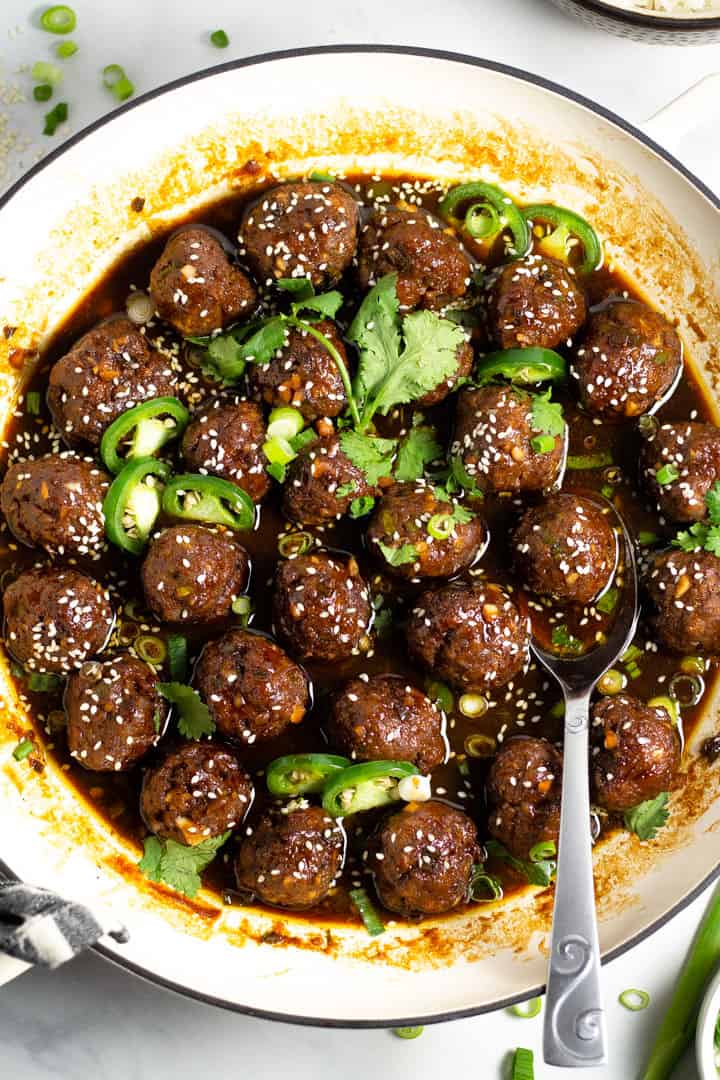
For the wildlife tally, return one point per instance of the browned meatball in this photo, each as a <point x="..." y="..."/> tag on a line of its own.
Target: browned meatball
<point x="382" y="718"/>
<point x="108" y="371"/>
<point x="55" y="619"/>
<point x="690" y="453"/>
<point x="472" y="636"/>
<point x="251" y="687"/>
<point x="400" y="533"/>
<point x="303" y="374"/>
<point x="637" y="752"/>
<point x="114" y="713"/>
<point x="432" y="267"/>
<point x="534" y="301"/>
<point x="321" y="483"/>
<point x="301" y="229"/>
<point x="321" y="606"/>
<point x="566" y="548"/>
<point x="226" y="440"/>
<point x="684" y="588"/>
<point x="194" y="285"/>
<point x="499" y="444"/>
<point x="291" y="857"/>
<point x="523" y="787"/>
<point x="465" y="364"/>
<point x="422" y="858"/>
<point x="192" y="574"/>
<point x="55" y="502"/>
<point x="629" y="360"/>
<point x="198" y="791"/>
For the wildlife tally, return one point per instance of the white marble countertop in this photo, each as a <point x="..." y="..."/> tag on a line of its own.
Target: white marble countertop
<point x="90" y="1019"/>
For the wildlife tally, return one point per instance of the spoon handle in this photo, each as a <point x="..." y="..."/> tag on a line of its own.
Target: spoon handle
<point x="574" y="1033"/>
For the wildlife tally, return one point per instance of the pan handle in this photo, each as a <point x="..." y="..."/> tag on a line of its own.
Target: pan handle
<point x="693" y="108"/>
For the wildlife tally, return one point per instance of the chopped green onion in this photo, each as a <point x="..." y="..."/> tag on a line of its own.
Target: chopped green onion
<point x="689" y="665"/>
<point x="44" y="72"/>
<point x="243" y="606"/>
<point x="612" y="682"/>
<point x="278" y="451"/>
<point x="607" y="491"/>
<point x="543" y="444"/>
<point x="23" y="749"/>
<point x="55" y="117"/>
<point x="441" y="694"/>
<point x="408" y="1032"/>
<point x="634" y="672"/>
<point x="634" y="1000"/>
<point x="64" y="49"/>
<point x="59" y="19"/>
<point x="669" y="704"/>
<point x="472" y="705"/>
<point x="116" y="81"/>
<point x="177" y="657"/>
<point x="294" y="543"/>
<point x="686" y="689"/>
<point x="440" y="526"/>
<point x="478" y="745"/>
<point x="523" y="1068"/>
<point x="220" y="39"/>
<point x="373" y="923"/>
<point x="544" y="849"/>
<point x="558" y="710"/>
<point x="150" y="648"/>
<point x="43" y="92"/>
<point x="608" y="601"/>
<point x="32" y="402"/>
<point x="668" y="474"/>
<point x="633" y="652"/>
<point x="590" y="461"/>
<point x="321" y="177"/>
<point x="484" y="887"/>
<point x="526" y="1010"/>
<point x="285" y="423"/>
<point x="645" y="538"/>
<point x="43" y="684"/>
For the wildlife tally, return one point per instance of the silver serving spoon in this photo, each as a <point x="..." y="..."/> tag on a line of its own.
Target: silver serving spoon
<point x="574" y="1034"/>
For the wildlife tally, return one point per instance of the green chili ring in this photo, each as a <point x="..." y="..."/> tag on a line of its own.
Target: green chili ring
<point x="365" y="786"/>
<point x="492" y="206"/>
<point x="214" y="501"/>
<point x="523" y="366"/>
<point x="567" y="223"/>
<point x="302" y="774"/>
<point x="149" y="433"/>
<point x="129" y="496"/>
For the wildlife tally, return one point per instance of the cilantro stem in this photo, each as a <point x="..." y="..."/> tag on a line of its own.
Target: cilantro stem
<point x="327" y="344"/>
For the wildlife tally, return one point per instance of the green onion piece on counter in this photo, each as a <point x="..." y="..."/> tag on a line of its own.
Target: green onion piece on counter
<point x="567" y="225"/>
<point x="116" y="81"/>
<point x="65" y="49"/>
<point x="491" y="211"/>
<point x="132" y="504"/>
<point x="177" y="648"/>
<point x="302" y="774"/>
<point x="195" y="497"/>
<point x="543" y="444"/>
<point x="526" y="1010"/>
<point x="373" y="923"/>
<point x="285" y="423"/>
<point x="608" y="601"/>
<point x="294" y="543"/>
<point x="142" y="431"/>
<point x="23" y="749"/>
<point x="151" y="648"/>
<point x="33" y="402"/>
<point x="408" y="1032"/>
<point x="59" y="19"/>
<point x="522" y="1067"/>
<point x="43" y="92"/>
<point x="55" y="118"/>
<point x="219" y="39"/>
<point x="590" y="461"/>
<point x="365" y="786"/>
<point x="634" y="1000"/>
<point x="441" y="694"/>
<point x="44" y="72"/>
<point x="523" y="366"/>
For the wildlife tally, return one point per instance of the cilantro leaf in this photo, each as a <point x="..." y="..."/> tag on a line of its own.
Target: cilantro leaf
<point x="463" y="479"/>
<point x="647" y="817"/>
<point x="698" y="537"/>
<point x="712" y="501"/>
<point x="418" y="449"/>
<point x="228" y="354"/>
<point x="547" y="415"/>
<point x="539" y="871"/>
<point x="362" y="506"/>
<point x="373" y="456"/>
<point x="179" y="865"/>
<point x="375" y="331"/>
<point x="564" y="641"/>
<point x="326" y="305"/>
<point x="194" y="719"/>
<point x="382" y="623"/>
<point x="150" y="862"/>
<point x="301" y="288"/>
<point x="712" y="540"/>
<point x="398" y="556"/>
<point x="461" y="515"/>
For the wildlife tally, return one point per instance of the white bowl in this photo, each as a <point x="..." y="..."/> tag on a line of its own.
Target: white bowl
<point x="705" y="1033"/>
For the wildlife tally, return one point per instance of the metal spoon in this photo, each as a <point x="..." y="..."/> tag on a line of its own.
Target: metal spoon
<point x="574" y="1034"/>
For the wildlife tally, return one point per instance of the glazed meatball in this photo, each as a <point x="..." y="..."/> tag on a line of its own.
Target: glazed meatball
<point x="192" y="574"/>
<point x="383" y="719"/>
<point x="471" y="636"/>
<point x="253" y="690"/>
<point x="303" y="374"/>
<point x="195" y="287"/>
<point x="566" y="548"/>
<point x="321" y="606"/>
<point x="108" y="371"/>
<point x="523" y="788"/>
<point x="684" y="588"/>
<point x="400" y="533"/>
<point x="226" y="440"/>
<point x="55" y="619"/>
<point x="534" y="301"/>
<point x="198" y="791"/>
<point x="291" y="857"/>
<point x="694" y="452"/>
<point x="301" y="229"/>
<point x="55" y="502"/>
<point x="321" y="483"/>
<point x="496" y="441"/>
<point x="636" y="753"/>
<point x="432" y="267"/>
<point x="114" y="713"/>
<point x="465" y="364"/>
<point x="422" y="858"/>
<point x="629" y="360"/>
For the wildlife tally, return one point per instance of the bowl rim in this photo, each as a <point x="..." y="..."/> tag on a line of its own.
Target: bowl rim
<point x="704" y="1036"/>
<point x="664" y="21"/>
<point x="432" y="54"/>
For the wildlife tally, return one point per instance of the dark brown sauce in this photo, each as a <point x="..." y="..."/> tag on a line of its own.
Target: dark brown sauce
<point x="525" y="705"/>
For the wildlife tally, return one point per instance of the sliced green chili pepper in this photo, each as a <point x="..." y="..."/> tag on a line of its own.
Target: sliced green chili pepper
<point x="192" y="497"/>
<point x="440" y="526"/>
<point x="567" y="224"/>
<point x="533" y="365"/>
<point x="145" y="429"/>
<point x="491" y="211"/>
<point x="365" y="786"/>
<point x="302" y="774"/>
<point x="132" y="504"/>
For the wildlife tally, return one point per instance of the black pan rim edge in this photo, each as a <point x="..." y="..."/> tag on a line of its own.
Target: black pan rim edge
<point x="433" y="54"/>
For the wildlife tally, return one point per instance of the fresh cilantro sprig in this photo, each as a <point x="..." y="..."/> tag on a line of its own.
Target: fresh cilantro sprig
<point x="398" y="556"/>
<point x="372" y="455"/>
<point x="704" y="535"/>
<point x="647" y="817"/>
<point x="377" y="458"/>
<point x="418" y="449"/>
<point x="194" y="719"/>
<point x="547" y="416"/>
<point x="539" y="869"/>
<point x="564" y="641"/>
<point x="179" y="865"/>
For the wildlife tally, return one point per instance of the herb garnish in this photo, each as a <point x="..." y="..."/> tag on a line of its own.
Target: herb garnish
<point x="373" y="456"/>
<point x="398" y="556"/>
<point x="647" y="817"/>
<point x="539" y="868"/>
<point x="564" y="641"/>
<point x="484" y="887"/>
<point x="179" y="865"/>
<point x="704" y="535"/>
<point x="547" y="415"/>
<point x="194" y="719"/>
<point x="418" y="449"/>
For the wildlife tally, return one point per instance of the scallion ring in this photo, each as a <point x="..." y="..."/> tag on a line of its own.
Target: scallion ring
<point x="634" y="1000"/>
<point x="116" y="81"/>
<point x="59" y="19"/>
<point x="285" y="423"/>
<point x="472" y="705"/>
<point x="440" y="526"/>
<point x="478" y="745"/>
<point x="295" y="543"/>
<point x="526" y="1010"/>
<point x="686" y="689"/>
<point x="44" y="72"/>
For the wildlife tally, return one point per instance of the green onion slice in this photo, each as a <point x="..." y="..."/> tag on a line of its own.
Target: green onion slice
<point x="523" y="1067"/>
<point x="116" y="81"/>
<point x="472" y="705"/>
<point x="65" y="49"/>
<point x="41" y="683"/>
<point x="408" y="1032"/>
<point x="441" y="694"/>
<point x="373" y="923"/>
<point x="23" y="749"/>
<point x="43" y="92"/>
<point x="292" y="544"/>
<point x="634" y="1000"/>
<point x="440" y="526"/>
<point x="523" y="366"/>
<point x="44" y="72"/>
<point x="33" y="402"/>
<point x="590" y="461"/>
<point x="59" y="19"/>
<point x="526" y="1010"/>
<point x="219" y="39"/>
<point x="55" y="118"/>
<point x="543" y="444"/>
<point x="150" y="648"/>
<point x="285" y="423"/>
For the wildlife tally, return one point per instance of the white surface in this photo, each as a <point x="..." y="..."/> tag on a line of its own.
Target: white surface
<point x="89" y="1019"/>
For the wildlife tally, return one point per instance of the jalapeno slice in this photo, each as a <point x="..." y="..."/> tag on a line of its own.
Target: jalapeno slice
<point x="567" y="225"/>
<point x="302" y="774"/>
<point x="365" y="786"/>
<point x="491" y="212"/>
<point x="132" y="504"/>
<point x="523" y="366"/>
<point x="193" y="497"/>
<point x="144" y="430"/>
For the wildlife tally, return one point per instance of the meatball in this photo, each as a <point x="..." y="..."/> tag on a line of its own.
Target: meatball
<point x="108" y="371"/>
<point x="465" y="364"/>
<point x="195" y="287"/>
<point x="629" y="360"/>
<point x="291" y="857"/>
<point x="55" y="502"/>
<point x="534" y="301"/>
<point x="422" y="858"/>
<point x="472" y="636"/>
<point x="226" y="440"/>
<point x="637" y="752"/>
<point x="694" y="452"/>
<point x="383" y="719"/>
<point x="251" y="687"/>
<point x="321" y="483"/>
<point x="303" y="374"/>
<point x="321" y="606"/>
<point x="401" y="533"/>
<point x="523" y="788"/>
<point x="684" y="588"/>
<point x="114" y="713"/>
<point x="192" y="574"/>
<point x="55" y="619"/>
<point x="432" y="267"/>
<point x="566" y="548"/>
<point x="301" y="229"/>
<point x="497" y="442"/>
<point x="198" y="791"/>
